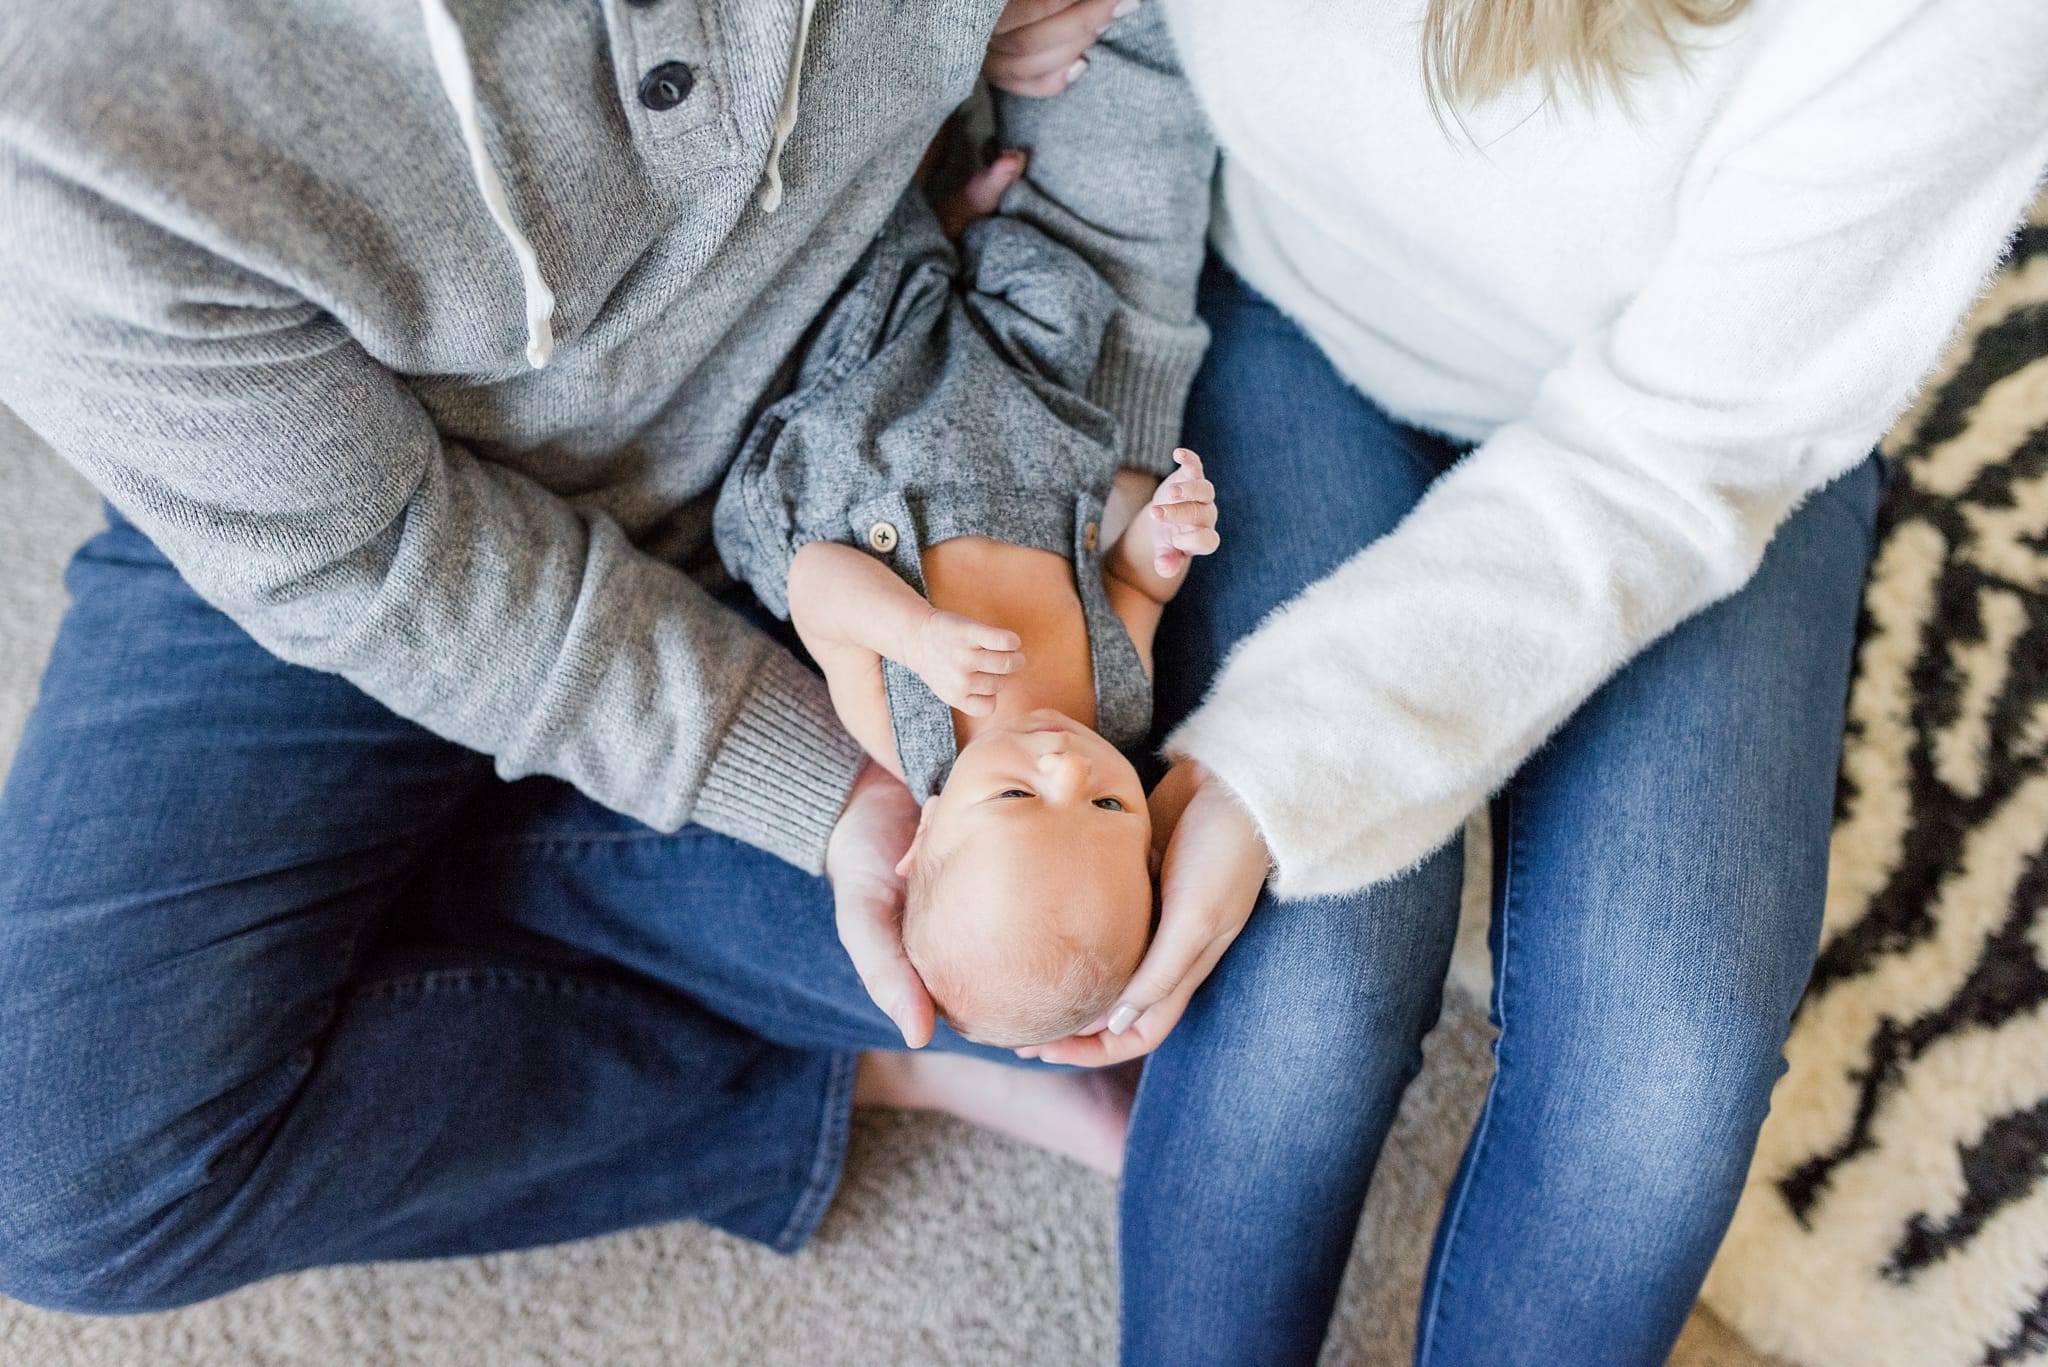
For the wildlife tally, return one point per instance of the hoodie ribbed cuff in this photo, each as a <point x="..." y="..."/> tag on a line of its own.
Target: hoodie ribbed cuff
<point x="1142" y="380"/>
<point x="783" y="768"/>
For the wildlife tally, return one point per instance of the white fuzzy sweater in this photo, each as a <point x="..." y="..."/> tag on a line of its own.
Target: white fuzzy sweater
<point x="1665" y="327"/>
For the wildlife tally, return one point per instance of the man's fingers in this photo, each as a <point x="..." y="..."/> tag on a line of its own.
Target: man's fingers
<point x="876" y="948"/>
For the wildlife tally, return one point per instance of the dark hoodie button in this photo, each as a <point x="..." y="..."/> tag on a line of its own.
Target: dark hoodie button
<point x="667" y="86"/>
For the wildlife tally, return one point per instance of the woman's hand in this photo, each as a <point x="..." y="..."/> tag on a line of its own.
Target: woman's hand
<point x="1038" y="45"/>
<point x="1215" y="863"/>
<point x="867" y="897"/>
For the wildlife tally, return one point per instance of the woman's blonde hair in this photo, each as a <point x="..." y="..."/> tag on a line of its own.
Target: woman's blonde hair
<point x="1473" y="49"/>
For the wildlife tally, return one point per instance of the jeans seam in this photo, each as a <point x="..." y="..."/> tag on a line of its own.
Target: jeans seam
<point x="1509" y="849"/>
<point x="585" y="838"/>
<point x="473" y="979"/>
<point x="827" y="1158"/>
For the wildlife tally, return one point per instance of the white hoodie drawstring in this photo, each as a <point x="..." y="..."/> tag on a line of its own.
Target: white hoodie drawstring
<point x="785" y="117"/>
<point x="451" y="64"/>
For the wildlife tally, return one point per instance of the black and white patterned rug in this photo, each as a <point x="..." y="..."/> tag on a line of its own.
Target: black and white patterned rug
<point x="1897" y="1212"/>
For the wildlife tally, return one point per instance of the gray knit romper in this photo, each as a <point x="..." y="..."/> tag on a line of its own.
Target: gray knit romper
<point x="940" y="397"/>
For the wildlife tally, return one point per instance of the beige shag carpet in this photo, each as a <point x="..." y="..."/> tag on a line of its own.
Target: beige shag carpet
<point x="1894" y="1216"/>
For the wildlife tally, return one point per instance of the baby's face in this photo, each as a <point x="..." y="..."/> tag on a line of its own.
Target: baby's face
<point x="1044" y="840"/>
<point x="1045" y="788"/>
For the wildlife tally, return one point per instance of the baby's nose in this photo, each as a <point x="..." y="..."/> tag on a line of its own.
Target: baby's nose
<point x="1062" y="774"/>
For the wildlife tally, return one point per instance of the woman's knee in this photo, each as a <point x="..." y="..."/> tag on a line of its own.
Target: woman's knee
<point x="1671" y="1095"/>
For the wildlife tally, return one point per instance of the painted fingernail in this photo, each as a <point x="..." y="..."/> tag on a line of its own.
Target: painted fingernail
<point x="1123" y="1018"/>
<point x="1077" y="70"/>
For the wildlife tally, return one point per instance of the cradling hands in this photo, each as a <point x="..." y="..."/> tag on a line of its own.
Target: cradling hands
<point x="863" y="861"/>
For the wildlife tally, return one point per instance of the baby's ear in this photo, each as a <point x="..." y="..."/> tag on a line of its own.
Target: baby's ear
<point x="909" y="859"/>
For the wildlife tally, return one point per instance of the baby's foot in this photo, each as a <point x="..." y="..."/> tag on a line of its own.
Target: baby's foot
<point x="1079" y="1115"/>
<point x="965" y="662"/>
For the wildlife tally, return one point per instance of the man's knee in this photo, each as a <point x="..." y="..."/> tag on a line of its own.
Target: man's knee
<point x="83" y="1240"/>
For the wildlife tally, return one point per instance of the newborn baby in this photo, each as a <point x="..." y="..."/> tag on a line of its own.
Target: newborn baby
<point x="1030" y="882"/>
<point x="980" y="584"/>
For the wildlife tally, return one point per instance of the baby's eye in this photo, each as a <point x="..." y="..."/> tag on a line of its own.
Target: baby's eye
<point x="1015" y="792"/>
<point x="1110" y="804"/>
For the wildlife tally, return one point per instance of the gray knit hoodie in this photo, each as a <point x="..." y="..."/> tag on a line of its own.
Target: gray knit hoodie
<point x="252" y="282"/>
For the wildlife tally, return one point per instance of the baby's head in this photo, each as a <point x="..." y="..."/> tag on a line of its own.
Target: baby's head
<point x="1030" y="897"/>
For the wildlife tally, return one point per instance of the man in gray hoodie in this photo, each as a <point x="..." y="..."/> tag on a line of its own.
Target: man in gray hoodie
<point x="409" y="346"/>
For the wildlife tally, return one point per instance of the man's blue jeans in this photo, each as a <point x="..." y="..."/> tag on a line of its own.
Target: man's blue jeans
<point x="286" y="980"/>
<point x="1660" y="867"/>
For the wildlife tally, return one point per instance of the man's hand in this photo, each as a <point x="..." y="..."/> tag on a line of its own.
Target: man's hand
<point x="867" y="897"/>
<point x="1039" y="44"/>
<point x="1215" y="864"/>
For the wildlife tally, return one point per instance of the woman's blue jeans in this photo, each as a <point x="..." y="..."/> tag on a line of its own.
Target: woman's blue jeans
<point x="287" y="981"/>
<point x="1660" y="867"/>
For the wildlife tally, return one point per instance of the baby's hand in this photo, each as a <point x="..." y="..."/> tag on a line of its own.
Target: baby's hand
<point x="1182" y="516"/>
<point x="965" y="661"/>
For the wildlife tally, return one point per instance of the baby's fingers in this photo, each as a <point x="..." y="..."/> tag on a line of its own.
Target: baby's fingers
<point x="974" y="704"/>
<point x="1196" y="540"/>
<point x="1190" y="490"/>
<point x="994" y="638"/>
<point x="1185" y="514"/>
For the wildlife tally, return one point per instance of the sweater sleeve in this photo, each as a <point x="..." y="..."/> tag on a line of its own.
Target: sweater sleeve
<point x="1120" y="171"/>
<point x="301" y="488"/>
<point x="1817" y="271"/>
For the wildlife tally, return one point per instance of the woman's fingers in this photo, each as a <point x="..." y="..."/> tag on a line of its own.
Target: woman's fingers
<point x="1039" y="44"/>
<point x="1024" y="13"/>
